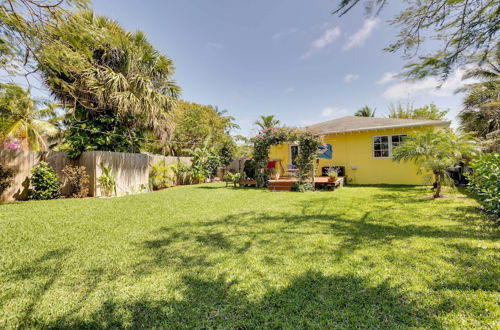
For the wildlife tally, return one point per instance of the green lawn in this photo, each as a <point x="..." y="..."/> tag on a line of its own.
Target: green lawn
<point x="210" y="256"/>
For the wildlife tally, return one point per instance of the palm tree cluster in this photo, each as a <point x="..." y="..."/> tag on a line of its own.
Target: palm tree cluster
<point x="92" y="64"/>
<point x="365" y="111"/>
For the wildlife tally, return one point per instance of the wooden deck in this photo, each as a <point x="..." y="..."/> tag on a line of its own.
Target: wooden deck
<point x="286" y="183"/>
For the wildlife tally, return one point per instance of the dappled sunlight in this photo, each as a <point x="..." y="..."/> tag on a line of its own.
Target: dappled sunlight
<point x="197" y="257"/>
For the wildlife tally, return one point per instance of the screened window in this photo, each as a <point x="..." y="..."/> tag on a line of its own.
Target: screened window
<point x="384" y="144"/>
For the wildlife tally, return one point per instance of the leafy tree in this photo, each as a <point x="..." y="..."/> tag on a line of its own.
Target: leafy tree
<point x="429" y="112"/>
<point x="435" y="152"/>
<point x="365" y="111"/>
<point x="22" y="119"/>
<point x="115" y="80"/>
<point x="481" y="111"/>
<point x="267" y="122"/>
<point x="21" y="22"/>
<point x="465" y="30"/>
<point x="194" y="123"/>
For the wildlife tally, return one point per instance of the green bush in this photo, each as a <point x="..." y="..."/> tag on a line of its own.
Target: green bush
<point x="161" y="176"/>
<point x="484" y="181"/>
<point x="45" y="182"/>
<point x="6" y="178"/>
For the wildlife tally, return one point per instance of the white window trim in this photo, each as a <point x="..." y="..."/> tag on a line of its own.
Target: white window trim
<point x="290" y="151"/>
<point x="389" y="139"/>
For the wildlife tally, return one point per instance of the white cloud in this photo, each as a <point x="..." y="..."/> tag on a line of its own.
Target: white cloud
<point x="334" y="112"/>
<point x="289" y="89"/>
<point x="328" y="36"/>
<point x="429" y="86"/>
<point x="386" y="78"/>
<point x="281" y="34"/>
<point x="359" y="38"/>
<point x="349" y="78"/>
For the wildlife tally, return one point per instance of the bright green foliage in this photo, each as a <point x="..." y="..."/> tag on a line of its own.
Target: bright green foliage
<point x="21" y="118"/>
<point x="6" y="178"/>
<point x="161" y="176"/>
<point x="234" y="178"/>
<point x="107" y="180"/>
<point x="194" y="123"/>
<point x="465" y="31"/>
<point x="429" y="112"/>
<point x="210" y="257"/>
<point x="45" y="182"/>
<point x="91" y="62"/>
<point x="266" y="122"/>
<point x="365" y="111"/>
<point x="308" y="146"/>
<point x="436" y="152"/>
<point x="484" y="181"/>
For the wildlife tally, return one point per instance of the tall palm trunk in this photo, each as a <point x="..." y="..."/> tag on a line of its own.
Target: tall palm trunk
<point x="437" y="192"/>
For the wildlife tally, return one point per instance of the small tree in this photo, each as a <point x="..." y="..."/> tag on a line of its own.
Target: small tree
<point x="436" y="152"/>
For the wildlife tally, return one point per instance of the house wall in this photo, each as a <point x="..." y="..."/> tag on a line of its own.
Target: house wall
<point x="356" y="149"/>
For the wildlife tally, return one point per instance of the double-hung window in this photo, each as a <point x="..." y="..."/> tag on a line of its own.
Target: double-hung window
<point x="384" y="144"/>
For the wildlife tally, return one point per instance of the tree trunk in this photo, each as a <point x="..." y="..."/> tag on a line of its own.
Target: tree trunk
<point x="437" y="192"/>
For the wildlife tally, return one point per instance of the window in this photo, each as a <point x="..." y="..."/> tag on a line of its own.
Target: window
<point x="383" y="145"/>
<point x="294" y="152"/>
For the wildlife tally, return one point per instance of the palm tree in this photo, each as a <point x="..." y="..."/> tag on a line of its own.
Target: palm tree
<point x="93" y="63"/>
<point x="481" y="112"/>
<point x="365" y="111"/>
<point x="22" y="119"/>
<point x="267" y="122"/>
<point x="436" y="152"/>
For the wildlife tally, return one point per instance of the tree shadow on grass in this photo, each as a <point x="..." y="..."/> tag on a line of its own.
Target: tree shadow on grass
<point x="311" y="300"/>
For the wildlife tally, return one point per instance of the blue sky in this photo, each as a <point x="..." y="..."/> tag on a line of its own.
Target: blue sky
<point x="289" y="58"/>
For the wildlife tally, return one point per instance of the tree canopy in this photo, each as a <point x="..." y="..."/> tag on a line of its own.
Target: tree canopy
<point x="465" y="31"/>
<point x="365" y="111"/>
<point x="267" y="122"/>
<point x="115" y="80"/>
<point x="429" y="112"/>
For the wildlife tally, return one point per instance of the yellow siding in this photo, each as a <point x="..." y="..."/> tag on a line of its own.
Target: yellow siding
<point x="356" y="149"/>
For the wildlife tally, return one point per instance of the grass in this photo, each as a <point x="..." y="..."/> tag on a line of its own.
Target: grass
<point x="210" y="256"/>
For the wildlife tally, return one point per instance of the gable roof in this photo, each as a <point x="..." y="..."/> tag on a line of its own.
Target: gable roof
<point x="356" y="124"/>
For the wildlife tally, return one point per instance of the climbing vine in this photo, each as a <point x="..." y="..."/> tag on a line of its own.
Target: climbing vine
<point x="308" y="146"/>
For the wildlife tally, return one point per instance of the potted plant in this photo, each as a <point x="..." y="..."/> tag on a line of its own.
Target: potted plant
<point x="332" y="175"/>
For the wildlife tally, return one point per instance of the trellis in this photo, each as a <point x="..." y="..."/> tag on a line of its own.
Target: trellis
<point x="308" y="145"/>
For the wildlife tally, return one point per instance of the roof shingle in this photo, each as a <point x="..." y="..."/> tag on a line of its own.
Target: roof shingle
<point x="355" y="124"/>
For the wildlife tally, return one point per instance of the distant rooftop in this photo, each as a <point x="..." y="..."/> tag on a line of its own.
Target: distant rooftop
<point x="356" y="124"/>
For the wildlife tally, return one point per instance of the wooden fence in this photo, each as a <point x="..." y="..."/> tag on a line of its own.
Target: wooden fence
<point x="132" y="170"/>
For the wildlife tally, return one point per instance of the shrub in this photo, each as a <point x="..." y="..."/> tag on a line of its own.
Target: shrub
<point x="45" y="182"/>
<point x="181" y="170"/>
<point x="484" y="181"/>
<point x="235" y="178"/>
<point x="6" y="178"/>
<point x="78" y="180"/>
<point x="250" y="169"/>
<point x="107" y="180"/>
<point x="303" y="186"/>
<point x="160" y="176"/>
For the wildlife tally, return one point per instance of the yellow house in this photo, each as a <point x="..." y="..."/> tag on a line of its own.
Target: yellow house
<point x="362" y="148"/>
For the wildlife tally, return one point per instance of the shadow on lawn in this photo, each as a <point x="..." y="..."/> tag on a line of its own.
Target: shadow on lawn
<point x="311" y="300"/>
